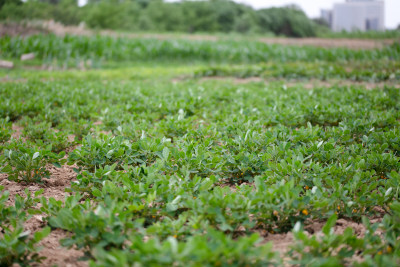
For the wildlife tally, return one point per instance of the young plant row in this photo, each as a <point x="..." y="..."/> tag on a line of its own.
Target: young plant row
<point x="72" y="50"/>
<point x="371" y="71"/>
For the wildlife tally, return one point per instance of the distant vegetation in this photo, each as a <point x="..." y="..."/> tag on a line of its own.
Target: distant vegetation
<point x="205" y="16"/>
<point x="158" y="16"/>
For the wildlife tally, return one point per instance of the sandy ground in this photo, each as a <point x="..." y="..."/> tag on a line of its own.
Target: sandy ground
<point x="309" y="84"/>
<point x="329" y="43"/>
<point x="57" y="255"/>
<point x="54" y="253"/>
<point x="13" y="29"/>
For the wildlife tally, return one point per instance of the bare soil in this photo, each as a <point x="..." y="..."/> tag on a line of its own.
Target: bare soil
<point x="17" y="131"/>
<point x="235" y="80"/>
<point x="330" y="43"/>
<point x="13" y="29"/>
<point x="57" y="255"/>
<point x="309" y="84"/>
<point x="54" y="253"/>
<point x="8" y="79"/>
<point x="60" y="178"/>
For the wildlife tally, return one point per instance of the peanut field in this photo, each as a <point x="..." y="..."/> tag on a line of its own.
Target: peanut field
<point x="229" y="152"/>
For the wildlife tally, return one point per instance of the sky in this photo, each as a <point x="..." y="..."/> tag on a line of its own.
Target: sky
<point x="313" y="7"/>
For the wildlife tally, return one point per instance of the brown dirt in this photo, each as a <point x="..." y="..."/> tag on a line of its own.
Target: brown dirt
<point x="310" y="84"/>
<point x="17" y="131"/>
<point x="57" y="255"/>
<point x="60" y="178"/>
<point x="330" y="43"/>
<point x="234" y="79"/>
<point x="281" y="242"/>
<point x="367" y="85"/>
<point x="51" y="249"/>
<point x="13" y="29"/>
<point x="8" y="79"/>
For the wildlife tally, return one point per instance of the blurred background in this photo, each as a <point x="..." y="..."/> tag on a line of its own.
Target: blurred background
<point x="292" y="18"/>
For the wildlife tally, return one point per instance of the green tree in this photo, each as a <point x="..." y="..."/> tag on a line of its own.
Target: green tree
<point x="199" y="17"/>
<point x="158" y="15"/>
<point x="14" y="2"/>
<point x="68" y="12"/>
<point x="29" y="10"/>
<point x="112" y="15"/>
<point x="289" y="21"/>
<point x="165" y="16"/>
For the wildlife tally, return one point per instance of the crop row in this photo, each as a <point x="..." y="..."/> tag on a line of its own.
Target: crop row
<point x="361" y="71"/>
<point x="74" y="49"/>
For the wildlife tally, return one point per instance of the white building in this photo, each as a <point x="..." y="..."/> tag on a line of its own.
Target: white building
<point x="362" y="15"/>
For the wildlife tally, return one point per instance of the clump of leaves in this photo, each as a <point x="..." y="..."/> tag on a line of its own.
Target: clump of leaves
<point x="328" y="250"/>
<point x="105" y="150"/>
<point x="105" y="227"/>
<point x="18" y="246"/>
<point x="27" y="162"/>
<point x="82" y="128"/>
<point x="35" y="131"/>
<point x="212" y="249"/>
<point x="43" y="135"/>
<point x="377" y="248"/>
<point x="5" y="130"/>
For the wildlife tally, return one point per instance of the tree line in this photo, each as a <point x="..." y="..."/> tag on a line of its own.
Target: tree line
<point x="211" y="16"/>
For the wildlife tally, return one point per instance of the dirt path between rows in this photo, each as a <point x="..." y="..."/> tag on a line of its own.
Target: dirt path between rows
<point x="61" y="30"/>
<point x="319" y="42"/>
<point x="330" y="43"/>
<point x="309" y="84"/>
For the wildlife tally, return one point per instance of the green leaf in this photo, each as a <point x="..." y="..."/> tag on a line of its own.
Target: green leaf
<point x="38" y="236"/>
<point x="297" y="227"/>
<point x="24" y="235"/>
<point x="7" y="169"/>
<point x="39" y="192"/>
<point x="35" y="155"/>
<point x="165" y="153"/>
<point x="329" y="224"/>
<point x="57" y="164"/>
